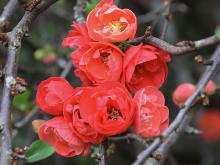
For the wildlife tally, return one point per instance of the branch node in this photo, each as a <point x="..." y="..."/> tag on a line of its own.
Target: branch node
<point x="148" y="32"/>
<point x="29" y="5"/>
<point x="4" y="25"/>
<point x="16" y="86"/>
<point x="4" y="40"/>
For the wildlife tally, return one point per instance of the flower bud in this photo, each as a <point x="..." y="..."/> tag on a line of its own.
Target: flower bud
<point x="182" y="93"/>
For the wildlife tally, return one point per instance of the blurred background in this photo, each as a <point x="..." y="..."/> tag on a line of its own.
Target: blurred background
<point x="42" y="57"/>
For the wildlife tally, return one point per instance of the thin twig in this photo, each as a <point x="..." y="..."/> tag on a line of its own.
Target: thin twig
<point x="102" y="154"/>
<point x="128" y="137"/>
<point x="7" y="13"/>
<point x="167" y="16"/>
<point x="176" y="50"/>
<point x="207" y="75"/>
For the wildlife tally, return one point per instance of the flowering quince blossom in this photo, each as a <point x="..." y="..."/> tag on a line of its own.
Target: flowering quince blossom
<point x="78" y="37"/>
<point x="144" y="65"/>
<point x="209" y="124"/>
<point x="51" y="94"/>
<point x="109" y="23"/>
<point x="108" y="108"/>
<point x="210" y="88"/>
<point x="58" y="133"/>
<point x="152" y="117"/>
<point x="89" y="115"/>
<point x="182" y="93"/>
<point x="102" y="62"/>
<point x="80" y="126"/>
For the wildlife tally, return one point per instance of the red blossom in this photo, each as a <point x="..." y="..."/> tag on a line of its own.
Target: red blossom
<point x="108" y="23"/>
<point x="144" y="65"/>
<point x="51" y="94"/>
<point x="182" y="93"/>
<point x="59" y="134"/>
<point x="209" y="124"/>
<point x="108" y="108"/>
<point x="78" y="37"/>
<point x="101" y="62"/>
<point x="152" y="117"/>
<point x="80" y="126"/>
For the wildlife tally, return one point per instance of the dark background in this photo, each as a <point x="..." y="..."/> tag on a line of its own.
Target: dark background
<point x="192" y="20"/>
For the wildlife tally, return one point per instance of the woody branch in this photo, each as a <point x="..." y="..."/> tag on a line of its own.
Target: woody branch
<point x="14" y="45"/>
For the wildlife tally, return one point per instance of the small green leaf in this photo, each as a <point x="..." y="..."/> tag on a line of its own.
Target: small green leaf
<point x="21" y="102"/>
<point x="39" y="150"/>
<point x="217" y="33"/>
<point x="91" y="5"/>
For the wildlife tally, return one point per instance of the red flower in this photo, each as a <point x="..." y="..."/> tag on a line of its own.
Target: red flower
<point x="59" y="134"/>
<point x="108" y="108"/>
<point x="51" y="94"/>
<point x="209" y="124"/>
<point x="102" y="62"/>
<point x="108" y="23"/>
<point x="182" y="93"/>
<point x="145" y="65"/>
<point x="152" y="117"/>
<point x="83" y="77"/>
<point x="210" y="88"/>
<point x="80" y="126"/>
<point x="78" y="37"/>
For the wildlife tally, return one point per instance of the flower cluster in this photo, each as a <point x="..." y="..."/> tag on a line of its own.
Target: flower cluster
<point x="98" y="59"/>
<point x="104" y="106"/>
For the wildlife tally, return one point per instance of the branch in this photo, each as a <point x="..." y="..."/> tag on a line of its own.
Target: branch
<point x="102" y="154"/>
<point x="7" y="13"/>
<point x="79" y="11"/>
<point x="167" y="15"/>
<point x="129" y="136"/>
<point x="207" y="75"/>
<point x="185" y="48"/>
<point x="14" y="46"/>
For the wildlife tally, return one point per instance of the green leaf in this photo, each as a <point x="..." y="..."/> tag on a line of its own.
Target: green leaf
<point x="39" y="150"/>
<point x="91" y="5"/>
<point x="217" y="33"/>
<point x="21" y="102"/>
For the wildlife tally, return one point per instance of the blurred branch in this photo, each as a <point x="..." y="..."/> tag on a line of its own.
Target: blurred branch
<point x="128" y="137"/>
<point x="183" y="47"/>
<point x="79" y="11"/>
<point x="14" y="46"/>
<point x="7" y="13"/>
<point x="102" y="155"/>
<point x="167" y="15"/>
<point x="181" y="121"/>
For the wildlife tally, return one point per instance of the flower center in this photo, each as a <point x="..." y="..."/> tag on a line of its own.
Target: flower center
<point x="113" y="113"/>
<point x="104" y="56"/>
<point x="116" y="26"/>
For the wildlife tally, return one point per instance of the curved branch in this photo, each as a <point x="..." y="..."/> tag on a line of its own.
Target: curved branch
<point x="190" y="46"/>
<point x="207" y="75"/>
